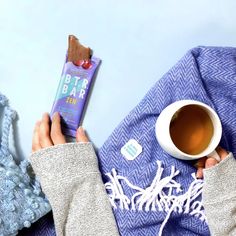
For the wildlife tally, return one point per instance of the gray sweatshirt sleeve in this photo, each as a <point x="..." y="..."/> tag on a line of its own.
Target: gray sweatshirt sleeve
<point x="71" y="180"/>
<point x="219" y="197"/>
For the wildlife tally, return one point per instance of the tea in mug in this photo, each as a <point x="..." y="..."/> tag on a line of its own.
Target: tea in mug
<point x="191" y="129"/>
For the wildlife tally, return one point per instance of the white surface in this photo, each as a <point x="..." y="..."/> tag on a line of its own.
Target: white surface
<point x="138" y="41"/>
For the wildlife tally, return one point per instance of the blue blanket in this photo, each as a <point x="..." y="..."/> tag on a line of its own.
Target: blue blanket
<point x="156" y="194"/>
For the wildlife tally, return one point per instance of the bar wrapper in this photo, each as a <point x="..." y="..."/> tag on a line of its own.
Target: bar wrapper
<point x="73" y="89"/>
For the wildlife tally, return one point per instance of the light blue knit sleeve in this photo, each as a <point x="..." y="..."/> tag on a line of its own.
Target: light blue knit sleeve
<point x="219" y="197"/>
<point x="21" y="199"/>
<point x="71" y="180"/>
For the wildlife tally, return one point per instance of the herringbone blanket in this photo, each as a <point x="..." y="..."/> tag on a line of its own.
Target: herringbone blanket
<point x="156" y="193"/>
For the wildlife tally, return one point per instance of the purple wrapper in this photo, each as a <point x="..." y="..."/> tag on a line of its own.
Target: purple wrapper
<point x="72" y="93"/>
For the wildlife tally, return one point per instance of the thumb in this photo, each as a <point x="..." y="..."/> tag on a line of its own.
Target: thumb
<point x="81" y="135"/>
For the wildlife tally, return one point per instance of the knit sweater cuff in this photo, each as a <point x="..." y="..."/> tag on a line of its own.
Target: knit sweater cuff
<point x="63" y="161"/>
<point x="220" y="181"/>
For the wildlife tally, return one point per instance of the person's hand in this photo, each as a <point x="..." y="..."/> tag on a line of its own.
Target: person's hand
<point x="48" y="133"/>
<point x="207" y="162"/>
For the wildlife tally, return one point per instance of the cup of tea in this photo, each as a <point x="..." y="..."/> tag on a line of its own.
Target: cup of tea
<point x="189" y="129"/>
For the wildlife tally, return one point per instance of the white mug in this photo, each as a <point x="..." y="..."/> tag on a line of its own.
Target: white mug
<point x="163" y="135"/>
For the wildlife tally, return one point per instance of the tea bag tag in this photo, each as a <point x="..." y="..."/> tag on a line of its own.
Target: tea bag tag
<point x="131" y="149"/>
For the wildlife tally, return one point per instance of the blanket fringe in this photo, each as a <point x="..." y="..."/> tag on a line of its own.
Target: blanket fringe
<point x="159" y="196"/>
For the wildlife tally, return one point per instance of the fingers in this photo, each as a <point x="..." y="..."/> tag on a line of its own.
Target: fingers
<point x="204" y="163"/>
<point x="35" y="141"/>
<point x="44" y="132"/>
<point x="56" y="133"/>
<point x="200" y="166"/>
<point x="199" y="173"/>
<point x="81" y="135"/>
<point x="209" y="162"/>
<point x="222" y="152"/>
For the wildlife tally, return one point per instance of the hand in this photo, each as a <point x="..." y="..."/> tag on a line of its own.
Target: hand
<point x="207" y="162"/>
<point x="46" y="135"/>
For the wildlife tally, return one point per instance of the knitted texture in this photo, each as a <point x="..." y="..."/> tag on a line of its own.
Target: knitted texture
<point x="156" y="194"/>
<point x="22" y="201"/>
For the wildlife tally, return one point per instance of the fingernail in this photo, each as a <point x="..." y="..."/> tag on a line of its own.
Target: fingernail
<point x="38" y="123"/>
<point x="45" y="114"/>
<point x="55" y="115"/>
<point x="199" y="173"/>
<point x="81" y="130"/>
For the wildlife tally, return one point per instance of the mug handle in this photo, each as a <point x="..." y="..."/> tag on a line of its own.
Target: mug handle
<point x="215" y="155"/>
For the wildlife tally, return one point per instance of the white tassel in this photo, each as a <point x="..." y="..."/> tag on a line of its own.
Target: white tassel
<point x="117" y="192"/>
<point x="158" y="196"/>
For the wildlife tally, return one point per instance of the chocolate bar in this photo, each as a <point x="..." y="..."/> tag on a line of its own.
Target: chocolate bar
<point x="74" y="86"/>
<point x="76" y="51"/>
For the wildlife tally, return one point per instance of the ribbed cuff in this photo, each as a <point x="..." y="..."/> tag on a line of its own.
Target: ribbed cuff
<point x="220" y="181"/>
<point x="63" y="161"/>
